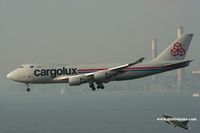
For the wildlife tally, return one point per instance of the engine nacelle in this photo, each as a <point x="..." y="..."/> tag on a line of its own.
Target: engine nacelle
<point x="77" y="80"/>
<point x="102" y="76"/>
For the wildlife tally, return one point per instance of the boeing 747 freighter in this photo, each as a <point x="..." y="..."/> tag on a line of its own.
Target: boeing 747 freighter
<point x="98" y="75"/>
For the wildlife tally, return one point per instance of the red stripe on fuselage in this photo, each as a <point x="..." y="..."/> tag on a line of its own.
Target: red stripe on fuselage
<point x="130" y="68"/>
<point x="93" y="69"/>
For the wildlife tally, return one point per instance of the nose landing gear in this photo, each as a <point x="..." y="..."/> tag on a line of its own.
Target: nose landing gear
<point x="28" y="88"/>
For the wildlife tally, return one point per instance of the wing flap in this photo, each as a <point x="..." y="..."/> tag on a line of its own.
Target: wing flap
<point x="64" y="77"/>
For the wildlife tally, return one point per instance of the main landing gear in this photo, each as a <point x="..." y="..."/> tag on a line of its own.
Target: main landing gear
<point x="92" y="86"/>
<point x="28" y="88"/>
<point x="99" y="86"/>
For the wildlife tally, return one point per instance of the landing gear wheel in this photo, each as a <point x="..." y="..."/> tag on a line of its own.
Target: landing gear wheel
<point x="92" y="86"/>
<point x="28" y="89"/>
<point x="100" y="86"/>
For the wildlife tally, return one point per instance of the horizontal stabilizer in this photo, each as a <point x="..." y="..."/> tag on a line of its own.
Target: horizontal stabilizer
<point x="177" y="64"/>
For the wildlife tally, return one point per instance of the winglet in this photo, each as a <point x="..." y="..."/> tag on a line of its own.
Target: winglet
<point x="126" y="65"/>
<point x="137" y="62"/>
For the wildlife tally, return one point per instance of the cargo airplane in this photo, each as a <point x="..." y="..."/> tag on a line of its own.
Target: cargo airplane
<point x="97" y="75"/>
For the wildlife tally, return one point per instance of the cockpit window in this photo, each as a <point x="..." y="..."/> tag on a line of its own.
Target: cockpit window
<point x="21" y="66"/>
<point x="31" y="66"/>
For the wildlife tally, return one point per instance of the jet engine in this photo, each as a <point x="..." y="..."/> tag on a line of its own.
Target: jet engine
<point x="102" y="76"/>
<point x="77" y="80"/>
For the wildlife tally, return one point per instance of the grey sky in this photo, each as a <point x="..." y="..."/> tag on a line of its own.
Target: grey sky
<point x="91" y="31"/>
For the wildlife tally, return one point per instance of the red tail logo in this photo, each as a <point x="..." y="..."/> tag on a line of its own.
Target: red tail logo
<point x="177" y="50"/>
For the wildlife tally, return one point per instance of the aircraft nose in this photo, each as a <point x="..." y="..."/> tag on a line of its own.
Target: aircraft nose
<point x="10" y="75"/>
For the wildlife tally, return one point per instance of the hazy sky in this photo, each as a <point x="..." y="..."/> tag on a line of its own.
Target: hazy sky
<point x="91" y="31"/>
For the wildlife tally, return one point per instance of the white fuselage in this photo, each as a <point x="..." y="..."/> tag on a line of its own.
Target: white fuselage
<point x="38" y="73"/>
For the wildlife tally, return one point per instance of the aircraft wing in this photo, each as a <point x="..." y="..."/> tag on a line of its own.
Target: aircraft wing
<point x="126" y="65"/>
<point x="63" y="77"/>
<point x="119" y="68"/>
<point x="90" y="76"/>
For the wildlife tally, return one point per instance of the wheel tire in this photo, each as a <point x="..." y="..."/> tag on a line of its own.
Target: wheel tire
<point x="28" y="89"/>
<point x="93" y="88"/>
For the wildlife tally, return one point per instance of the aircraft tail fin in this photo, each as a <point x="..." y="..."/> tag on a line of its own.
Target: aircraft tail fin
<point x="177" y="50"/>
